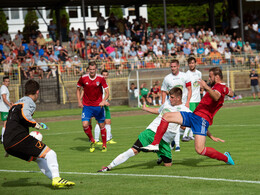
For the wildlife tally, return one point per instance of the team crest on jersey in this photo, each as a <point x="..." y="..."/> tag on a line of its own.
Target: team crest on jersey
<point x="196" y="84"/>
<point x="165" y="111"/>
<point x="97" y="83"/>
<point x="86" y="83"/>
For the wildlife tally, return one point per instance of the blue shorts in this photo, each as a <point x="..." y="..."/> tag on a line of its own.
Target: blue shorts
<point x="93" y="111"/>
<point x="198" y="125"/>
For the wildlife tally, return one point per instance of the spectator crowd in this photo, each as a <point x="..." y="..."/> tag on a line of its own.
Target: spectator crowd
<point x="124" y="45"/>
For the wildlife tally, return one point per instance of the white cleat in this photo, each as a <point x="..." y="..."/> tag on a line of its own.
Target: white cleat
<point x="150" y="148"/>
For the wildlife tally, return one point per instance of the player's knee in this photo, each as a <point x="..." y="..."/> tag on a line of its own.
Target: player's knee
<point x="51" y="154"/>
<point x="135" y="151"/>
<point x="199" y="150"/>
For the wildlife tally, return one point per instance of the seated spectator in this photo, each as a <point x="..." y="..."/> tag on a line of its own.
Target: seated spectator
<point x="227" y="56"/>
<point x="32" y="47"/>
<point x="7" y="65"/>
<point x="144" y="94"/>
<point x="42" y="67"/>
<point x="149" y="61"/>
<point x="36" y="57"/>
<point x="133" y="59"/>
<point x="21" y="54"/>
<point x="186" y="50"/>
<point x="113" y="54"/>
<point x="233" y="46"/>
<point x="40" y="40"/>
<point x="247" y="48"/>
<point x="68" y="65"/>
<point x="118" y="64"/>
<point x="48" y="40"/>
<point x="155" y="94"/>
<point x="17" y="41"/>
<point x="77" y="66"/>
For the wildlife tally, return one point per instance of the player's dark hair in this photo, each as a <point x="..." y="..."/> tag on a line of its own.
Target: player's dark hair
<point x="92" y="64"/>
<point x="175" y="61"/>
<point x="217" y="71"/>
<point x="190" y="59"/>
<point x="31" y="87"/>
<point x="176" y="91"/>
<point x="6" y="77"/>
<point x="104" y="70"/>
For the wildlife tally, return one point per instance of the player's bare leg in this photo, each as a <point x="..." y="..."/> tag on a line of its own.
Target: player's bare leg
<point x="170" y="117"/>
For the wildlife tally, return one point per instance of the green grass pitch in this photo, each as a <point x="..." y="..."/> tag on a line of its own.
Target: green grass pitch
<point x="239" y="127"/>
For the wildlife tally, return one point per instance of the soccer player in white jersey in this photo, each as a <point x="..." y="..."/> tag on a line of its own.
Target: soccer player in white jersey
<point x="5" y="103"/>
<point x="110" y="140"/>
<point x="146" y="137"/>
<point x="194" y="76"/>
<point x="177" y="79"/>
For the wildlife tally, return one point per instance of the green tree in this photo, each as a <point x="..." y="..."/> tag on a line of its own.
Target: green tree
<point x="181" y="15"/>
<point x="117" y="10"/>
<point x="30" y="24"/>
<point x="3" y="22"/>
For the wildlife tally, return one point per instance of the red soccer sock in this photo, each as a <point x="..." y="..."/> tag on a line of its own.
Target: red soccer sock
<point x="212" y="153"/>
<point x="104" y="136"/>
<point x="160" y="131"/>
<point x="88" y="131"/>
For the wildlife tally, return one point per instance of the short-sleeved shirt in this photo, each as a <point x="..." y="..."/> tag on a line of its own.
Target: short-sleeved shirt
<point x="195" y="86"/>
<point x="144" y="91"/>
<point x="208" y="107"/>
<point x="3" y="106"/>
<point x="173" y="128"/>
<point x="93" y="89"/>
<point x="180" y="80"/>
<point x="254" y="82"/>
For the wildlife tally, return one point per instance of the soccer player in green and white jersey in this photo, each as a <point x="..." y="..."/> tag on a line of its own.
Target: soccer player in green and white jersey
<point x="110" y="140"/>
<point x="194" y="76"/>
<point x="146" y="137"/>
<point x="5" y="103"/>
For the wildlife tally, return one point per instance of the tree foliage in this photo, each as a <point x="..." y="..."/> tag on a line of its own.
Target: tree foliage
<point x="117" y="10"/>
<point x="30" y="24"/>
<point x="181" y="15"/>
<point x="3" y="22"/>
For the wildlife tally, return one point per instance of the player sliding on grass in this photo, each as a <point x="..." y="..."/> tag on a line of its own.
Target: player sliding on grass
<point x="18" y="142"/>
<point x="93" y="103"/>
<point x="146" y="137"/>
<point x="200" y="119"/>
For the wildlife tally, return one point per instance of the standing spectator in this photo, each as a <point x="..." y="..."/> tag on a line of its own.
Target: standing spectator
<point x="234" y="23"/>
<point x="5" y="103"/>
<point x="52" y="30"/>
<point x="64" y="23"/>
<point x="17" y="41"/>
<point x="254" y="83"/>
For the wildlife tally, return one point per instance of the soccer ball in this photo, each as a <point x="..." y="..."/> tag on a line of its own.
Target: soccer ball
<point x="36" y="135"/>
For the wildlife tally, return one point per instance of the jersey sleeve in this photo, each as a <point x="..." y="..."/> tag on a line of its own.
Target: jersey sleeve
<point x="4" y="90"/>
<point x="164" y="85"/>
<point x="222" y="89"/>
<point x="104" y="83"/>
<point x="161" y="108"/>
<point x="80" y="82"/>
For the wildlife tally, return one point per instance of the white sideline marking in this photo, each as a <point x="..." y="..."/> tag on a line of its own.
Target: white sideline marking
<point x="142" y="175"/>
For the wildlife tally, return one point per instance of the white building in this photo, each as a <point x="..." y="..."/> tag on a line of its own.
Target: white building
<point x="16" y="17"/>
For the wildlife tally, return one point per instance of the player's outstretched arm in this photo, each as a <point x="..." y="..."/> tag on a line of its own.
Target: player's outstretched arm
<point x="215" y="139"/>
<point x="151" y="110"/>
<point x="41" y="126"/>
<point x="213" y="94"/>
<point x="231" y="93"/>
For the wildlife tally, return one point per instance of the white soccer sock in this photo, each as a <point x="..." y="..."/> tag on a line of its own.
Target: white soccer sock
<point x="185" y="134"/>
<point x="42" y="163"/>
<point x="177" y="139"/>
<point x="97" y="132"/>
<point x="109" y="135"/>
<point x="154" y="102"/>
<point x="121" y="158"/>
<point x="160" y="102"/>
<point x="52" y="163"/>
<point x="191" y="133"/>
<point x="3" y="131"/>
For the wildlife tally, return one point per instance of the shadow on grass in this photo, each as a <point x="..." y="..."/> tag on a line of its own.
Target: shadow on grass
<point x="80" y="148"/>
<point x="23" y="182"/>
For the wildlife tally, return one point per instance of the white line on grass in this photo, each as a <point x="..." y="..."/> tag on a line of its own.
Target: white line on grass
<point x="141" y="175"/>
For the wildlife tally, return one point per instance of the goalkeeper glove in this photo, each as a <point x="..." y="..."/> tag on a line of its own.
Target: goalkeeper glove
<point x="41" y="126"/>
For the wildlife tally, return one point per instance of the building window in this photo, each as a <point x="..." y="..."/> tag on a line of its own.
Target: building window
<point x="48" y="13"/>
<point x="25" y="11"/>
<point x="131" y="11"/>
<point x="94" y="11"/>
<point x="14" y="13"/>
<point x="6" y="12"/>
<point x="73" y="12"/>
<point x="86" y="11"/>
<point x="107" y="11"/>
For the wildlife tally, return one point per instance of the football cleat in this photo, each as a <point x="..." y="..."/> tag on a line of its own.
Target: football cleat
<point x="111" y="142"/>
<point x="150" y="148"/>
<point x="99" y="143"/>
<point x="159" y="161"/>
<point x="230" y="160"/>
<point x="58" y="182"/>
<point x="104" y="169"/>
<point x="186" y="139"/>
<point x="92" y="146"/>
<point x="177" y="149"/>
<point x="104" y="149"/>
